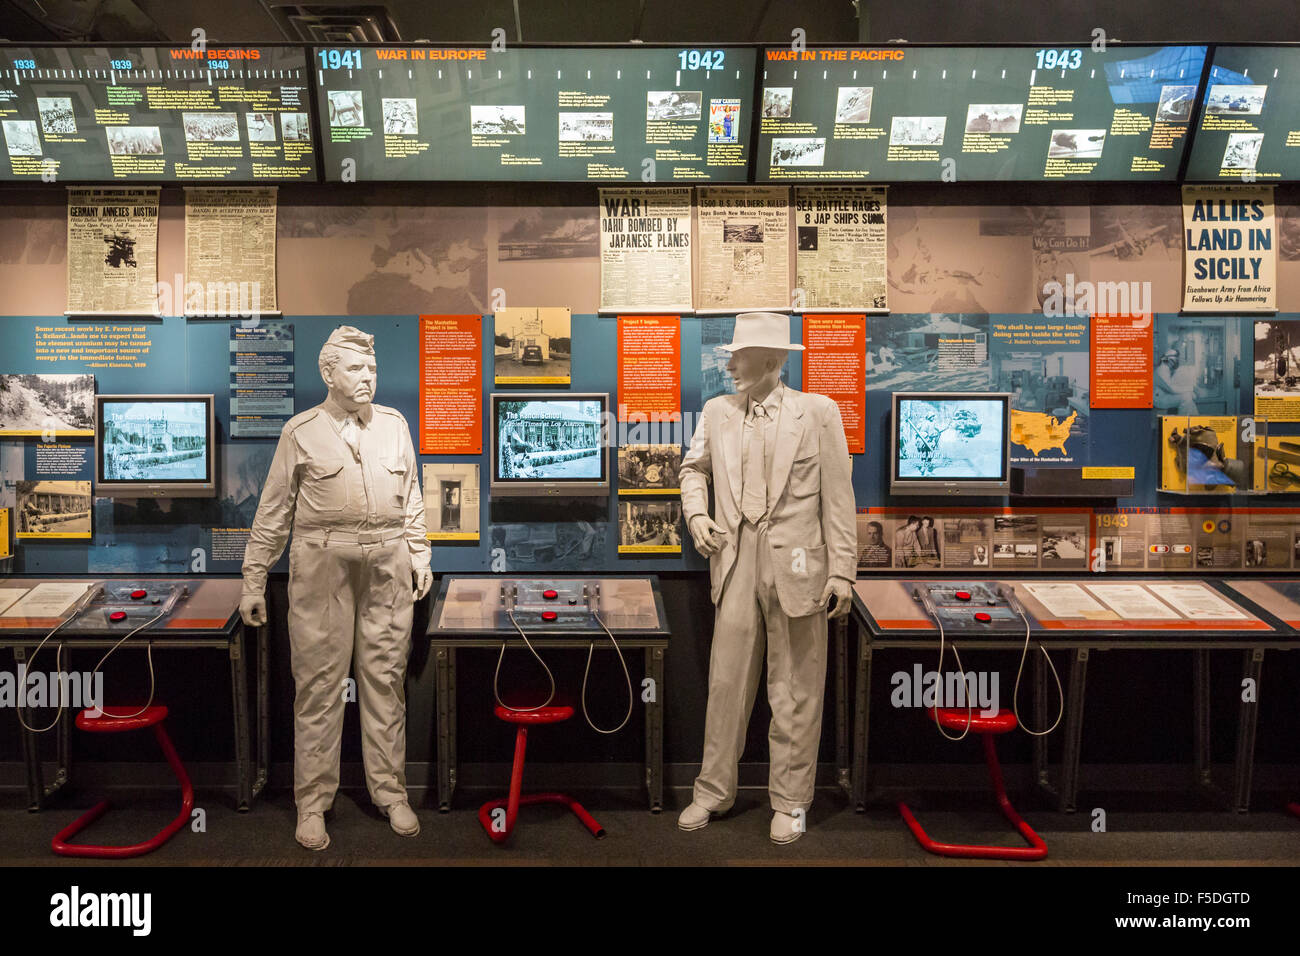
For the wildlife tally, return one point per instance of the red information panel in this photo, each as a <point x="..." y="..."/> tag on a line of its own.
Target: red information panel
<point x="649" y="368"/>
<point x="1122" y="347"/>
<point x="451" y="385"/>
<point x="834" y="365"/>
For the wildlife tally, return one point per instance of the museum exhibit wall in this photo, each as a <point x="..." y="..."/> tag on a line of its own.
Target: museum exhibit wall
<point x="378" y="257"/>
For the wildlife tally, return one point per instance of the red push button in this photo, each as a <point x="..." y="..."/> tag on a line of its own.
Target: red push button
<point x="983" y="616"/>
<point x="139" y="595"/>
<point x="550" y="594"/>
<point x="117" y="616"/>
<point x="549" y="615"/>
<point x="962" y="595"/>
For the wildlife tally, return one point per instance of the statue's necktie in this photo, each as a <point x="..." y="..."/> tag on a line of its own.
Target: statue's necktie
<point x="352" y="435"/>
<point x="753" y="500"/>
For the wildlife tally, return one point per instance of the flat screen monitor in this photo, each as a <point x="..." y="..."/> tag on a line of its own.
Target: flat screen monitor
<point x="155" y="446"/>
<point x="950" y="443"/>
<point x="549" y="445"/>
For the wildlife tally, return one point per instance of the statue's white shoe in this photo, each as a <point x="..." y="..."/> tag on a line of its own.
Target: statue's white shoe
<point x="402" y="819"/>
<point x="311" y="831"/>
<point x="786" y="828"/>
<point x="694" y="817"/>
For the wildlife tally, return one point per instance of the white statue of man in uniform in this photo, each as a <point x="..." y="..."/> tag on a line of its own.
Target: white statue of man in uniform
<point x="781" y="543"/>
<point x="344" y="482"/>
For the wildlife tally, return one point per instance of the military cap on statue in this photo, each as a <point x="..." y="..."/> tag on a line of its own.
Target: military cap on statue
<point x="346" y="337"/>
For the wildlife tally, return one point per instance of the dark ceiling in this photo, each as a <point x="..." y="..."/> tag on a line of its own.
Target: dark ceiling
<point x="574" y="21"/>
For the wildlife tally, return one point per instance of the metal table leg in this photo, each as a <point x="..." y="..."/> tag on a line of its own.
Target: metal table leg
<point x="843" y="769"/>
<point x="1069" y="790"/>
<point x="31" y="751"/>
<point x="445" y="732"/>
<point x="1244" y="767"/>
<point x="1042" y="770"/>
<point x="243" y="723"/>
<point x="654" y="730"/>
<point x="1202" y="757"/>
<point x="263" y="709"/>
<point x="861" y="723"/>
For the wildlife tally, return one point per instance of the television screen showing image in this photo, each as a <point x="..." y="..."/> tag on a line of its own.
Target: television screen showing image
<point x="950" y="443"/>
<point x="549" y="444"/>
<point x="155" y="445"/>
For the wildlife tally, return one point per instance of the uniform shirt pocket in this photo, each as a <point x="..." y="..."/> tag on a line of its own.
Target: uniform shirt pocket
<point x="324" y="486"/>
<point x="393" y="474"/>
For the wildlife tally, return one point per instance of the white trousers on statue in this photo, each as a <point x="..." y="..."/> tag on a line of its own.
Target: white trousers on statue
<point x="350" y="605"/>
<point x="749" y="622"/>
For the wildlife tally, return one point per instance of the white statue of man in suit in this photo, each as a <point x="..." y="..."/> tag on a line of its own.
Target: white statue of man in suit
<point x="781" y="543"/>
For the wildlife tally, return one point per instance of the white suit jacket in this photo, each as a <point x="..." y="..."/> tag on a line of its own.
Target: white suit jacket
<point x="810" y="490"/>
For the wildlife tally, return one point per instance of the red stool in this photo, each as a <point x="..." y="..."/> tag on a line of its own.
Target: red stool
<point x="115" y="721"/>
<point x="1294" y="809"/>
<point x="522" y="719"/>
<point x="955" y="718"/>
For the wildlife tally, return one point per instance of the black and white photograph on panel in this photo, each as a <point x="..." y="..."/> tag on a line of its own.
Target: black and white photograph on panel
<point x="586" y="127"/>
<point x="798" y="151"/>
<point x="21" y="138"/>
<point x="649" y="469"/>
<point x="1076" y="143"/>
<point x="777" y="101"/>
<point x="139" y="140"/>
<point x="650" y="527"/>
<point x="853" y="104"/>
<point x="42" y="404"/>
<point x="1175" y="104"/>
<point x="53" y="509"/>
<point x="1235" y="99"/>
<point x="917" y="130"/>
<point x="261" y="127"/>
<point x="295" y="127"/>
<point x="400" y="117"/>
<point x="211" y="127"/>
<point x="674" y="105"/>
<point x="994" y="117"/>
<point x="56" y="114"/>
<point x="1242" y="151"/>
<point x="347" y="108"/>
<point x="497" y="120"/>
<point x="451" y="500"/>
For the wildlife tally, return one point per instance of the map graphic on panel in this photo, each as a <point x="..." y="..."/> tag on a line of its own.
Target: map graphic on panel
<point x="976" y="113"/>
<point x="151" y="114"/>
<point x="571" y="115"/>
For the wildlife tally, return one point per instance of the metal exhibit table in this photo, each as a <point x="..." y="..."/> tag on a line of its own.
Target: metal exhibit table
<point x="474" y="611"/>
<point x="889" y="614"/>
<point x="206" y="618"/>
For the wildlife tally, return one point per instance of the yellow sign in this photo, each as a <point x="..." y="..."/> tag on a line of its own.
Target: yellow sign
<point x="5" y="551"/>
<point x="1115" y="472"/>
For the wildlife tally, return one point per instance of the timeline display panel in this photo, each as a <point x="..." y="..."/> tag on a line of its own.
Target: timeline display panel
<point x="976" y="113"/>
<point x="1249" y="125"/>
<point x="237" y="114"/>
<point x="640" y="114"/>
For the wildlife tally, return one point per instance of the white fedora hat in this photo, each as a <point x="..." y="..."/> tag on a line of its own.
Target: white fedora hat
<point x="768" y="330"/>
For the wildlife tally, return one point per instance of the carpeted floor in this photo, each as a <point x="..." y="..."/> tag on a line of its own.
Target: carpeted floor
<point x="1183" y="832"/>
